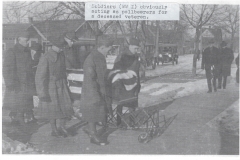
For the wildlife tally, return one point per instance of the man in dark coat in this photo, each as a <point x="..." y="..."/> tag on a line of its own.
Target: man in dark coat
<point x="51" y="83"/>
<point x="19" y="80"/>
<point x="128" y="61"/>
<point x="94" y="96"/>
<point x="225" y="60"/>
<point x="210" y="63"/>
<point x="237" y="72"/>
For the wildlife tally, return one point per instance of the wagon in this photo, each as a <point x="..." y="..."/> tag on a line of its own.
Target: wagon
<point x="149" y="120"/>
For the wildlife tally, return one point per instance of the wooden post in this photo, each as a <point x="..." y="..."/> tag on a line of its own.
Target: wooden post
<point x="96" y="33"/>
<point x="157" y="40"/>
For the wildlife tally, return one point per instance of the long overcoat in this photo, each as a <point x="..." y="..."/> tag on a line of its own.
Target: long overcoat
<point x="93" y="104"/>
<point x="210" y="60"/>
<point x="19" y="79"/>
<point x="225" y="60"/>
<point x="51" y="85"/>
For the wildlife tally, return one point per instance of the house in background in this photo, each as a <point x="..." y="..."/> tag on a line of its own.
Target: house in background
<point x="75" y="29"/>
<point x="40" y="31"/>
<point x="10" y="32"/>
<point x="211" y="34"/>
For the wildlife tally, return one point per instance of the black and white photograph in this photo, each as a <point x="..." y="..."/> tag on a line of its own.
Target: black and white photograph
<point x="120" y="78"/>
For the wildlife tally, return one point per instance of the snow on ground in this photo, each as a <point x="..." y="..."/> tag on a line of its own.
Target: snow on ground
<point x="153" y="93"/>
<point x="161" y="88"/>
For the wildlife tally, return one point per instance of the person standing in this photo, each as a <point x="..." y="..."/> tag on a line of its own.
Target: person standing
<point x="94" y="96"/>
<point x="225" y="60"/>
<point x="19" y="80"/>
<point x="210" y="64"/>
<point x="52" y="90"/>
<point x="129" y="60"/>
<point x="237" y="72"/>
<point x="143" y="62"/>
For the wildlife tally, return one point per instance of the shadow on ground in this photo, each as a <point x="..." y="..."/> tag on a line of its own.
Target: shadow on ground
<point x="22" y="133"/>
<point x="73" y="130"/>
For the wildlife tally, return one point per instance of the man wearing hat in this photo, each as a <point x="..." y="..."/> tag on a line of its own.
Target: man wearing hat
<point x="94" y="98"/>
<point x="128" y="61"/>
<point x="210" y="64"/>
<point x="19" y="79"/>
<point x="52" y="90"/>
<point x="225" y="60"/>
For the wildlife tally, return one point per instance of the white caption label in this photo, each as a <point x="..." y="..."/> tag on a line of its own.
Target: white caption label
<point x="131" y="11"/>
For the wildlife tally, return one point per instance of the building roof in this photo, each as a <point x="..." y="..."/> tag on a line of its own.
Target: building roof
<point x="13" y="30"/>
<point x="207" y="33"/>
<point x="56" y="27"/>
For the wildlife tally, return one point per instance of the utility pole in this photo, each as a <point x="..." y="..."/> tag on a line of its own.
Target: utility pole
<point x="96" y="32"/>
<point x="201" y="44"/>
<point x="157" y="40"/>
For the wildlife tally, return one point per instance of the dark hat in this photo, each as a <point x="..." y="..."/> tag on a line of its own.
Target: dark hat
<point x="134" y="41"/>
<point x="223" y="44"/>
<point x="57" y="41"/>
<point x="36" y="47"/>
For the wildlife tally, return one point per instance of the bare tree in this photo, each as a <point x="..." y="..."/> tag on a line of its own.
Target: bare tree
<point x="229" y="21"/>
<point x="43" y="10"/>
<point x="197" y="16"/>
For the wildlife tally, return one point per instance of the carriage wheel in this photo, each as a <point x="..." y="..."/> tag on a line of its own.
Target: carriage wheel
<point x="143" y="138"/>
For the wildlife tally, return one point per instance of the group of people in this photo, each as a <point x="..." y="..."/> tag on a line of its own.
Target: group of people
<point x="217" y="64"/>
<point x="28" y="72"/>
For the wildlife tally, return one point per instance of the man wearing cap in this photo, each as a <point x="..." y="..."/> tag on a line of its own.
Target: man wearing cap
<point x="94" y="96"/>
<point x="129" y="60"/>
<point x="210" y="64"/>
<point x="19" y="79"/>
<point x="52" y="90"/>
<point x="225" y="60"/>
